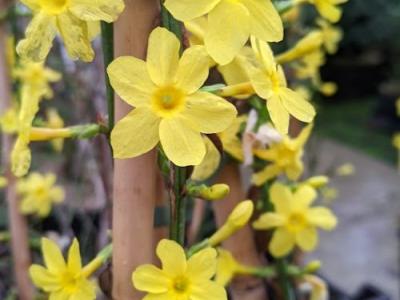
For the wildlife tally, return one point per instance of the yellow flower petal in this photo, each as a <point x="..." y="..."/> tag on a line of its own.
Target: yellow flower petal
<point x="322" y="217"/>
<point x="266" y="24"/>
<point x="130" y="80"/>
<point x="208" y="113"/>
<point x="206" y="290"/>
<point x="193" y="69"/>
<point x="39" y="38"/>
<point x="228" y="31"/>
<point x="281" y="197"/>
<point x="186" y="10"/>
<point x="135" y="134"/>
<point x="278" y="113"/>
<point x="32" y="4"/>
<point x="209" y="164"/>
<point x="52" y="256"/>
<point x="149" y="278"/>
<point x="85" y="290"/>
<point x="296" y="105"/>
<point x="303" y="137"/>
<point x="269" y="220"/>
<point x="329" y="11"/>
<point x="303" y="197"/>
<point x="162" y="56"/>
<point x="202" y="265"/>
<point x="267" y="173"/>
<point x="261" y="84"/>
<point x="182" y="145"/>
<point x="295" y="169"/>
<point x="42" y="278"/>
<point x="307" y="239"/>
<point x="172" y="257"/>
<point x="76" y="37"/>
<point x="104" y="10"/>
<point x="74" y="258"/>
<point x="282" y="242"/>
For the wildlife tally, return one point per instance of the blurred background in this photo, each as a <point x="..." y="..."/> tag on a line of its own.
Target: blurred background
<point x="354" y="129"/>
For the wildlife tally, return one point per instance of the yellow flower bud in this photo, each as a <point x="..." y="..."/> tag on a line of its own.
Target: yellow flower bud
<point x="215" y="192"/>
<point x="313" y="266"/>
<point x="317" y="181"/>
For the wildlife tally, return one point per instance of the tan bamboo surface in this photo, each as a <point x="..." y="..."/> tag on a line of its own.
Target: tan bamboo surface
<point x="135" y="180"/>
<point x="17" y="222"/>
<point x="242" y="244"/>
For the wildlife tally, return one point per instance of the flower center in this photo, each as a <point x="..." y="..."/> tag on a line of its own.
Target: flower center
<point x="180" y="285"/>
<point x="53" y="7"/>
<point x="69" y="281"/>
<point x="276" y="83"/>
<point x="286" y="156"/>
<point x="168" y="101"/>
<point x="296" y="222"/>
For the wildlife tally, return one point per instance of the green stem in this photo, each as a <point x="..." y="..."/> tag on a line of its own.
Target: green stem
<point x="107" y="36"/>
<point x="178" y="205"/>
<point x="284" y="280"/>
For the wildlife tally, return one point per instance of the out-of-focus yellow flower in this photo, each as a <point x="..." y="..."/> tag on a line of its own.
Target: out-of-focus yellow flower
<point x="210" y="163"/>
<point x="316" y="181"/>
<point x="9" y="120"/>
<point x="295" y="220"/>
<point x="269" y="82"/>
<point x="332" y="35"/>
<point x="329" y="193"/>
<point x="168" y="104"/>
<point x="311" y="42"/>
<point x="230" y="23"/>
<point x="230" y="139"/>
<point x="38" y="194"/>
<point x="66" y="279"/>
<point x="3" y="182"/>
<point x="309" y="65"/>
<point x="328" y="9"/>
<point x="317" y="286"/>
<point x="69" y="19"/>
<point x="238" y="218"/>
<point x="345" y="170"/>
<point x="180" y="278"/>
<point x="285" y="157"/>
<point x="55" y="121"/>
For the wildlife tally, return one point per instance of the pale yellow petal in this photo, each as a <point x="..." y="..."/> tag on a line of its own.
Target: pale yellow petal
<point x="186" y="10"/>
<point x="294" y="169"/>
<point x="74" y="258"/>
<point x="281" y="197"/>
<point x="269" y="220"/>
<point x="228" y="31"/>
<point x="208" y="290"/>
<point x="131" y="81"/>
<point x="39" y="38"/>
<point x="261" y="83"/>
<point x="278" y="113"/>
<point x="86" y="290"/>
<point x="75" y="35"/>
<point x="208" y="113"/>
<point x="209" y="164"/>
<point x="104" y="10"/>
<point x="135" y="134"/>
<point x="182" y="145"/>
<point x="267" y="173"/>
<point x="329" y="11"/>
<point x="282" y="242"/>
<point x="307" y="239"/>
<point x="202" y="265"/>
<point x="193" y="69"/>
<point x="172" y="257"/>
<point x="266" y="24"/>
<point x="296" y="105"/>
<point x="303" y="136"/>
<point x="322" y="217"/>
<point x="162" y="56"/>
<point x="303" y="197"/>
<point x="149" y="278"/>
<point x="43" y="279"/>
<point x="52" y="256"/>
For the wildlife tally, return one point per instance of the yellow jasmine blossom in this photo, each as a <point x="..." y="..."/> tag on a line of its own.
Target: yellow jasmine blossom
<point x="296" y="221"/>
<point x="69" y="19"/>
<point x="269" y="82"/>
<point x="230" y="139"/>
<point x="285" y="157"/>
<point x="332" y="35"/>
<point x="65" y="279"/>
<point x="346" y="169"/>
<point x="55" y="121"/>
<point x="328" y="9"/>
<point x="179" y="278"/>
<point x="237" y="219"/>
<point x="38" y="193"/>
<point x="230" y="23"/>
<point x="316" y="181"/>
<point x="169" y="108"/>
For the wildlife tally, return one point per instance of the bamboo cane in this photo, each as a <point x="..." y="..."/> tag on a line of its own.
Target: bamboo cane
<point x="241" y="244"/>
<point x="17" y="222"/>
<point x="135" y="180"/>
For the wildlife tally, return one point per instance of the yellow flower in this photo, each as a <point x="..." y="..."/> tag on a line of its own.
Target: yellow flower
<point x="68" y="18"/>
<point x="9" y="120"/>
<point x="346" y="170"/>
<point x="61" y="279"/>
<point x="328" y="9"/>
<point x="38" y="194"/>
<point x="285" y="156"/>
<point x="329" y="193"/>
<point x="168" y="104"/>
<point x="295" y="220"/>
<point x="332" y="35"/>
<point x="230" y="23"/>
<point x="316" y="181"/>
<point x="269" y="82"/>
<point x="179" y="278"/>
<point x="55" y="121"/>
<point x="230" y="139"/>
<point x="210" y="163"/>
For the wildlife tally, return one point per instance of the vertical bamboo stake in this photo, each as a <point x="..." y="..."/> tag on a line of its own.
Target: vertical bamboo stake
<point x="135" y="180"/>
<point x="241" y="244"/>
<point x="17" y="222"/>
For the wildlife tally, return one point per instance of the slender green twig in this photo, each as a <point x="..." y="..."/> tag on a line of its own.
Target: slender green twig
<point x="107" y="35"/>
<point x="284" y="280"/>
